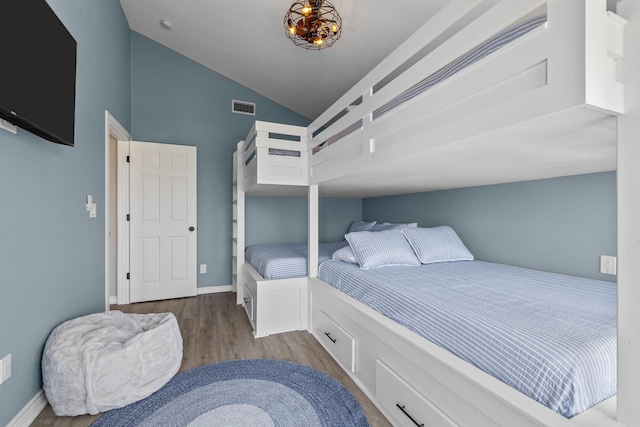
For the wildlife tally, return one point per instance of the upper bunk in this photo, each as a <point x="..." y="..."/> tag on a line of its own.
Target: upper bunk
<point x="486" y="92"/>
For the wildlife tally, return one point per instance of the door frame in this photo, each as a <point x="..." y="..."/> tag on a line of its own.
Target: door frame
<point x="114" y="129"/>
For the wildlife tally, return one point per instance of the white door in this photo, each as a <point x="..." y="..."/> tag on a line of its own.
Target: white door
<point x="163" y="221"/>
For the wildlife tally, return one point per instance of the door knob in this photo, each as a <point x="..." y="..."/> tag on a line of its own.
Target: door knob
<point x="191" y="228"/>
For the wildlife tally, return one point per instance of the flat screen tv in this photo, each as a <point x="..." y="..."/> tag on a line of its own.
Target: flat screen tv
<point x="38" y="70"/>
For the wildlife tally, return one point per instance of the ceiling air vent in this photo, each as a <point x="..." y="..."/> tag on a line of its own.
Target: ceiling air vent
<point x="243" y="107"/>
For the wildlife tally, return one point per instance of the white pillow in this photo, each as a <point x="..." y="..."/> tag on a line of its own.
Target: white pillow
<point x="361" y="226"/>
<point x="345" y="254"/>
<point x="437" y="244"/>
<point x="375" y="249"/>
<point x="381" y="226"/>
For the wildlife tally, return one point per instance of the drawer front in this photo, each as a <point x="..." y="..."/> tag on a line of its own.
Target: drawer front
<point x="404" y="403"/>
<point x="249" y="304"/>
<point x="336" y="339"/>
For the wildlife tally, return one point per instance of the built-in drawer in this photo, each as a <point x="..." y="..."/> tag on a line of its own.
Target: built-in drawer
<point x="404" y="403"/>
<point x="249" y="304"/>
<point x="338" y="341"/>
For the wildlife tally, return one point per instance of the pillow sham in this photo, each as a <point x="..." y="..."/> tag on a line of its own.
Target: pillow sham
<point x="437" y="244"/>
<point x="381" y="226"/>
<point x="381" y="248"/>
<point x="361" y="226"/>
<point x="345" y="254"/>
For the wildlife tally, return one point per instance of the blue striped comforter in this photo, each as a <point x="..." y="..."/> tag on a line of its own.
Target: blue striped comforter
<point x="284" y="260"/>
<point x="550" y="336"/>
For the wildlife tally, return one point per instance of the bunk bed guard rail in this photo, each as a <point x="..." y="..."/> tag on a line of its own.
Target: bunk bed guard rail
<point x="275" y="154"/>
<point x="566" y="62"/>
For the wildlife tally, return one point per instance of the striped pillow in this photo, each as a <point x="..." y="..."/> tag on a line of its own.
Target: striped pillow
<point x="437" y="244"/>
<point x="345" y="254"/>
<point x="381" y="248"/>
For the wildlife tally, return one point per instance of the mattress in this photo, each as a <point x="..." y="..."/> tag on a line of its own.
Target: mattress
<point x="550" y="336"/>
<point x="284" y="260"/>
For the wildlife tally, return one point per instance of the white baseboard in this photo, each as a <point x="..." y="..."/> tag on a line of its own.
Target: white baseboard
<point x="200" y="291"/>
<point x="30" y="412"/>
<point x="214" y="289"/>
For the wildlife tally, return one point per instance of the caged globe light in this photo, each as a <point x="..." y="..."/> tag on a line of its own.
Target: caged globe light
<point x="313" y="24"/>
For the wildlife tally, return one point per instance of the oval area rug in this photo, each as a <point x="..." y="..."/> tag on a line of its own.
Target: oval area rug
<point x="256" y="393"/>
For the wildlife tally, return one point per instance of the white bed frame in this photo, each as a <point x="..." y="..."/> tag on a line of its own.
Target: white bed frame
<point x="557" y="85"/>
<point x="544" y="105"/>
<point x="272" y="305"/>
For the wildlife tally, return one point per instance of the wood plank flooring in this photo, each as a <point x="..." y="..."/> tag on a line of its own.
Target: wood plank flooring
<point x="214" y="329"/>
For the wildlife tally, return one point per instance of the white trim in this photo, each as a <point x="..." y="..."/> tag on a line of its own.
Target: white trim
<point x="628" y="410"/>
<point x="30" y="412"/>
<point x="113" y="300"/>
<point x="202" y="290"/>
<point x="111" y="128"/>
<point x="122" y="293"/>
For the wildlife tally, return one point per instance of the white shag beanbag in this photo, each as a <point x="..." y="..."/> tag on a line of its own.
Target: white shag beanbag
<point x="108" y="360"/>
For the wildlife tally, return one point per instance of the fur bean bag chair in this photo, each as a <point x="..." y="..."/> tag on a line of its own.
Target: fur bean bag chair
<point x="108" y="360"/>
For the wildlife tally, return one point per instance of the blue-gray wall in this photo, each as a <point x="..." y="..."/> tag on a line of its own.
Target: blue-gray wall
<point x="284" y="219"/>
<point x="561" y="225"/>
<point x="51" y="253"/>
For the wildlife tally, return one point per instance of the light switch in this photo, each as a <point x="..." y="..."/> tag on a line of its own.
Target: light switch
<point x="91" y="207"/>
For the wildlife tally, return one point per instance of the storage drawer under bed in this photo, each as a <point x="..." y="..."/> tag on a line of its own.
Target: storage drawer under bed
<point x="249" y="303"/>
<point x="335" y="339"/>
<point x="404" y="403"/>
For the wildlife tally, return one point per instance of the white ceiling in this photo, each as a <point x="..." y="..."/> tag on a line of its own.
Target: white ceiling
<point x="246" y="41"/>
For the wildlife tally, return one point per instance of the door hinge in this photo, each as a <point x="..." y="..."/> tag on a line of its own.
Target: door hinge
<point x="128" y="217"/>
<point x="128" y="159"/>
<point x="128" y="276"/>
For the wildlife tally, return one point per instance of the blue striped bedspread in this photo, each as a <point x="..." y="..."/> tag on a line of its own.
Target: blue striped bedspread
<point x="284" y="260"/>
<point x="550" y="336"/>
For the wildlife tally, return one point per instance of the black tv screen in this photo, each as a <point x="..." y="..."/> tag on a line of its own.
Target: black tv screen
<point x="38" y="70"/>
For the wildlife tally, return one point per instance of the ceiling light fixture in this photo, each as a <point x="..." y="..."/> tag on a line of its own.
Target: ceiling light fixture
<point x="313" y="24"/>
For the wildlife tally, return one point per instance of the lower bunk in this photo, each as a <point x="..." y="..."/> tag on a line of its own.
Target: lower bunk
<point x="416" y="382"/>
<point x="275" y="293"/>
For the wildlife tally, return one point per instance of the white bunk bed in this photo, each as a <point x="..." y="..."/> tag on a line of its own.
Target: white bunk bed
<point x="544" y="105"/>
<point x="271" y="160"/>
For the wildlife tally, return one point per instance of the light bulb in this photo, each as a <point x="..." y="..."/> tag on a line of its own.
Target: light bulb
<point x="318" y="41"/>
<point x="306" y="9"/>
<point x="334" y="28"/>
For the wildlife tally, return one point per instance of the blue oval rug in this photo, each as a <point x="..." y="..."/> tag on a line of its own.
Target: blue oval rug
<point x="256" y="393"/>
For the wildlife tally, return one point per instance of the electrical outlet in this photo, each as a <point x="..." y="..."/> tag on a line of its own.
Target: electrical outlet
<point x="5" y="368"/>
<point x="608" y="265"/>
<point x="203" y="268"/>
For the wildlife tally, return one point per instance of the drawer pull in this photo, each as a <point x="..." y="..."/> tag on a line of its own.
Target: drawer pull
<point x="404" y="411"/>
<point x="246" y="300"/>
<point x="329" y="336"/>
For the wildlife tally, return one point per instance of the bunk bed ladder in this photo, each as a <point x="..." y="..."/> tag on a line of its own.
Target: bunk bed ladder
<point x="237" y="220"/>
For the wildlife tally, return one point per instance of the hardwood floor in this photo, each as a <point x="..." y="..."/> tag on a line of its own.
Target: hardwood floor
<point x="214" y="329"/>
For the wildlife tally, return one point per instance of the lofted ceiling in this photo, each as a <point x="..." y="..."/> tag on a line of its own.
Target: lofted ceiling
<point x="246" y="42"/>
